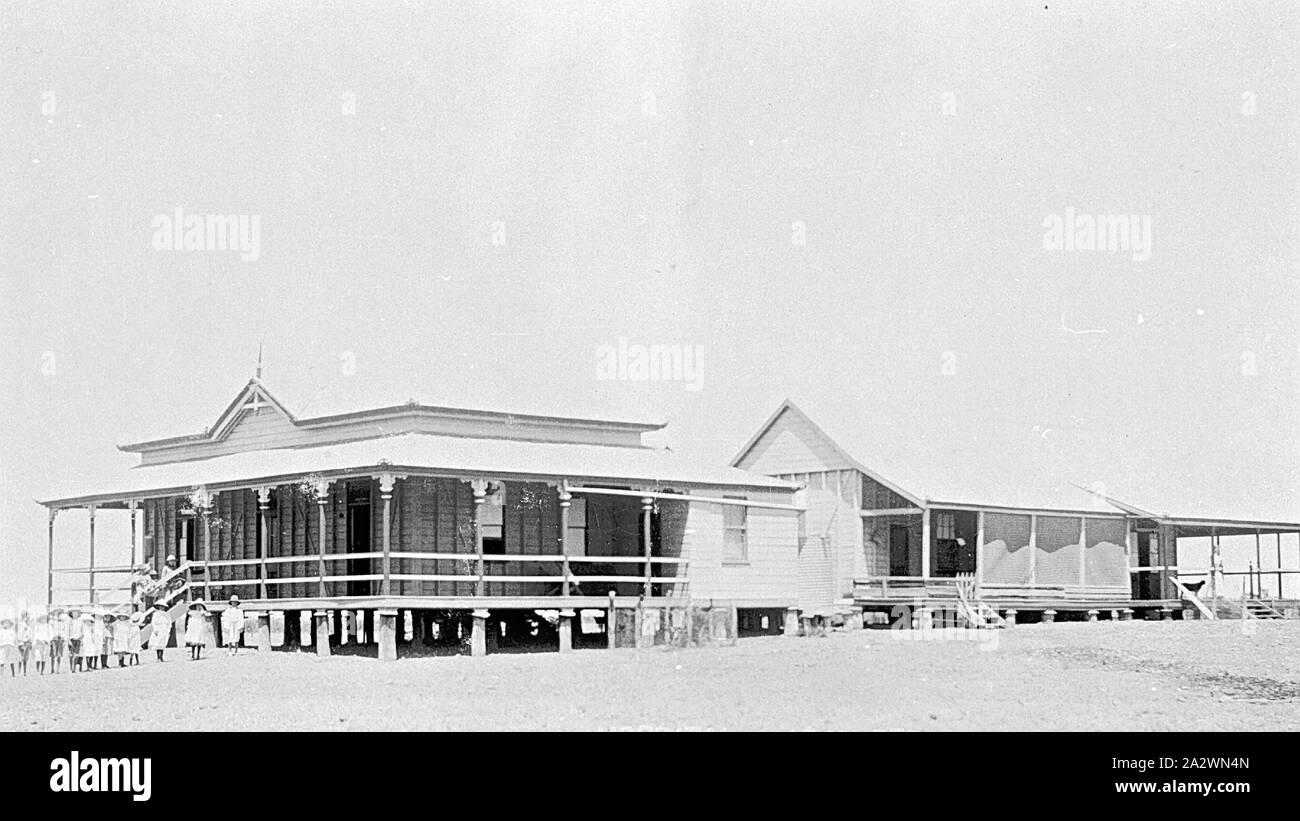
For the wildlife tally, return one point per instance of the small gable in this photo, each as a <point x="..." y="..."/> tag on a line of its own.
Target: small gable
<point x="791" y="443"/>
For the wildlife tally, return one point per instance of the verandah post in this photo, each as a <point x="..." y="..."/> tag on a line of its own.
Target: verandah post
<point x="647" y="505"/>
<point x="566" y="499"/>
<point x="479" y="487"/>
<point x="49" y="596"/>
<point x="263" y="503"/>
<point x="1279" y="563"/>
<point x="386" y="494"/>
<point x="322" y="491"/>
<point x="90" y="509"/>
<point x="205" y="508"/>
<point x="925" y="543"/>
<point x="131" y="506"/>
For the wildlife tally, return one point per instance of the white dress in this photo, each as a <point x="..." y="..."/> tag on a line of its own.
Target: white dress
<point x="161" y="631"/>
<point x="232" y="625"/>
<point x="195" y="623"/>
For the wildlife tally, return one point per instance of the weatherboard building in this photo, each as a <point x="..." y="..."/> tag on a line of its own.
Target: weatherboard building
<point x="414" y="524"/>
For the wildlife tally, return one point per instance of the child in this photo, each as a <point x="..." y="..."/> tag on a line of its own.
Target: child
<point x="59" y="642"/>
<point x="24" y="630"/>
<point x="42" y="637"/>
<point x="161" y="630"/>
<point x="92" y="640"/>
<point x="136" y="639"/>
<point x="76" y="630"/>
<point x="105" y="639"/>
<point x="196" y="628"/>
<point x="121" y="630"/>
<point x="8" y="646"/>
<point x="232" y="625"/>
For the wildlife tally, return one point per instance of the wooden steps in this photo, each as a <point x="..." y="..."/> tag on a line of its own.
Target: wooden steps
<point x="976" y="611"/>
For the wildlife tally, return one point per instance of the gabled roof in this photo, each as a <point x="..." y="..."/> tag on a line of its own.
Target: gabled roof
<point x="255" y="391"/>
<point x="934" y="463"/>
<point x="788" y="406"/>
<point x="927" y="472"/>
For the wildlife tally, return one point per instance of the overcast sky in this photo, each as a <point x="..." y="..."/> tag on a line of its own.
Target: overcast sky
<point x="846" y="202"/>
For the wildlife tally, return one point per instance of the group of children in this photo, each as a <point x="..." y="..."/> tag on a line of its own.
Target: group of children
<point x="87" y="640"/>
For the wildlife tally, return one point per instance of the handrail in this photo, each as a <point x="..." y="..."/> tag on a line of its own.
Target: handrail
<point x="1193" y="598"/>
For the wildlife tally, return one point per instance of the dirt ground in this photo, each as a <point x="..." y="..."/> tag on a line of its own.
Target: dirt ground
<point x="1072" y="676"/>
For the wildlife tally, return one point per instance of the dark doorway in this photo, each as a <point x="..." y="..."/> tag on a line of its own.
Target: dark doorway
<point x="953" y="534"/>
<point x="1146" y="584"/>
<point x="899" y="551"/>
<point x="359" y="536"/>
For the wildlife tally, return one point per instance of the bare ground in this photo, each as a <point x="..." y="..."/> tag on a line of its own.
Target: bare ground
<point x="1071" y="676"/>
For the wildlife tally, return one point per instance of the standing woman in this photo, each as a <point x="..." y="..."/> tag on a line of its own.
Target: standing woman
<point x="196" y="628"/>
<point x="160" y="632"/>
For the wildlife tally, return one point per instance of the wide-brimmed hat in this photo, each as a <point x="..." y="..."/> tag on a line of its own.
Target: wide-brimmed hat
<point x="169" y="559"/>
<point x="199" y="603"/>
<point x="159" y="606"/>
<point x="122" y="616"/>
<point x="234" y="600"/>
<point x="87" y="616"/>
<point x="137" y="618"/>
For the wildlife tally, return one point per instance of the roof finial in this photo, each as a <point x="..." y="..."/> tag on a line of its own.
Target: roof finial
<point x="259" y="362"/>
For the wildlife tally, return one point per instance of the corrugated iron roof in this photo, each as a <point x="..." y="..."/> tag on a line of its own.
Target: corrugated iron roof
<point x="416" y="451"/>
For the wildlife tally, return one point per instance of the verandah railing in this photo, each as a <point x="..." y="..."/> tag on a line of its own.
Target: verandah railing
<point x="474" y="570"/>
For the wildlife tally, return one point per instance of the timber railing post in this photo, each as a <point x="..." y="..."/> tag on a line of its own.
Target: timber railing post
<point x="263" y="503"/>
<point x="479" y="487"/>
<point x="49" y="595"/>
<point x="91" y="510"/>
<point x="205" y="510"/>
<point x="322" y="490"/>
<point x="566" y="499"/>
<point x="386" y="494"/>
<point x="647" y="506"/>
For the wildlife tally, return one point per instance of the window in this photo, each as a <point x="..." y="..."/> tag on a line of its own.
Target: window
<point x="577" y="535"/>
<point x="492" y="522"/>
<point x="945" y="526"/>
<point x="735" y="526"/>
